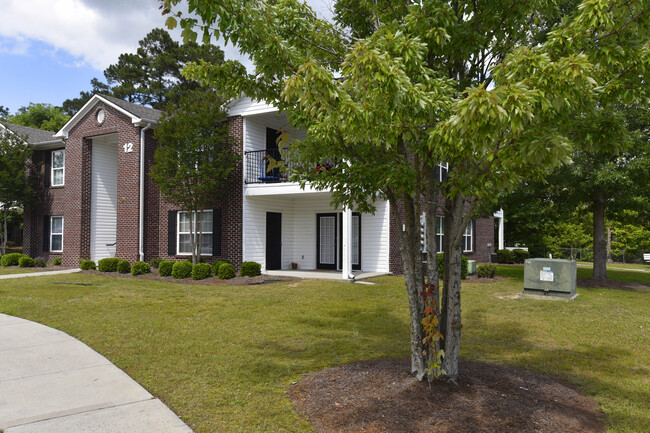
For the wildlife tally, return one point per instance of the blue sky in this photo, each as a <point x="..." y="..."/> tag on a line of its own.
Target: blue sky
<point x="50" y="50"/>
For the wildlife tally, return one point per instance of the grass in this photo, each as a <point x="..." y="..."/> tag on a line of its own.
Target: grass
<point x="222" y="357"/>
<point x="15" y="270"/>
<point x="641" y="266"/>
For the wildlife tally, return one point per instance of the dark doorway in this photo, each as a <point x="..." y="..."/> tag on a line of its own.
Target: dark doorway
<point x="273" y="240"/>
<point x="326" y="241"/>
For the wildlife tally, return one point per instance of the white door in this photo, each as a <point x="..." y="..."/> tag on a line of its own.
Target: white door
<point x="103" y="201"/>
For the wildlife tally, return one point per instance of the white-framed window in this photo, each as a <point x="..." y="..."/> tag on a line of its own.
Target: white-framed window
<point x="440" y="231"/>
<point x="467" y="238"/>
<point x="58" y="168"/>
<point x="184" y="240"/>
<point x="443" y="168"/>
<point x="56" y="234"/>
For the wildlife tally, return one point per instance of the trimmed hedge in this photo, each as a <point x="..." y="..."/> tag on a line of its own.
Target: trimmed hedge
<point x="520" y="255"/>
<point x="26" y="262"/>
<point x="201" y="271"/>
<point x="226" y="271"/>
<point x="57" y="261"/>
<point x="165" y="268"/>
<point x="216" y="265"/>
<point x="124" y="267"/>
<point x="11" y="259"/>
<point x="87" y="265"/>
<point x="40" y="263"/>
<point x="486" y="270"/>
<point x="505" y="256"/>
<point x="464" y="266"/>
<point x="250" y="269"/>
<point x="140" y="268"/>
<point x="155" y="262"/>
<point x="108" y="264"/>
<point x="182" y="270"/>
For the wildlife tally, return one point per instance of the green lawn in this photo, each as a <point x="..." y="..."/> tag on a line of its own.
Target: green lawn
<point x="640" y="266"/>
<point x="222" y="357"/>
<point x="13" y="270"/>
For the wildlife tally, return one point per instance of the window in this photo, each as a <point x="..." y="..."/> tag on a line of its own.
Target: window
<point x="440" y="231"/>
<point x="58" y="167"/>
<point x="184" y="240"/>
<point x="56" y="234"/>
<point x="467" y="238"/>
<point x="443" y="168"/>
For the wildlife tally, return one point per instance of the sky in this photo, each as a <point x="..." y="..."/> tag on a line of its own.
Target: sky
<point x="51" y="49"/>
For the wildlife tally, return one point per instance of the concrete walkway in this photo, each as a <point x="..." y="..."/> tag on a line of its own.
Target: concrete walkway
<point x="39" y="274"/>
<point x="51" y="382"/>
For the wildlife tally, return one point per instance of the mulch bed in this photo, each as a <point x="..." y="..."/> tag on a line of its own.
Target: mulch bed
<point x="381" y="396"/>
<point x="612" y="284"/>
<point x="212" y="281"/>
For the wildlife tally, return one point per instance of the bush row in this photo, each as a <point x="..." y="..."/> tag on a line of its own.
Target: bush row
<point x="23" y="261"/>
<point x="512" y="256"/>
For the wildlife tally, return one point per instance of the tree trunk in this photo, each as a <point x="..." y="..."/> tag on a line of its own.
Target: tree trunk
<point x="409" y="242"/>
<point x="431" y="210"/>
<point x="600" y="241"/>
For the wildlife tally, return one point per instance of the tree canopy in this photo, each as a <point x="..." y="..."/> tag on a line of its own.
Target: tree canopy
<point x="40" y="116"/>
<point x="152" y="75"/>
<point x="393" y="88"/>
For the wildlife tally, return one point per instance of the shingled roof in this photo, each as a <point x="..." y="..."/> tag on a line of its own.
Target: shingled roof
<point x="34" y="136"/>
<point x="135" y="109"/>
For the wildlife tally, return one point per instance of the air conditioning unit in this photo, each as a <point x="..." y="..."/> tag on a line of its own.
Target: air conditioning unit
<point x="550" y="277"/>
<point x="471" y="267"/>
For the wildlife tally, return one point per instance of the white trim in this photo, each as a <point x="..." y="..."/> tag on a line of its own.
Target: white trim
<point x="243" y="192"/>
<point x="141" y="175"/>
<point x="469" y="235"/>
<point x="56" y="234"/>
<point x="52" y="168"/>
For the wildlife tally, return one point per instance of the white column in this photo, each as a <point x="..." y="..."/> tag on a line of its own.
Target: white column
<point x="346" y="265"/>
<point x="502" y="231"/>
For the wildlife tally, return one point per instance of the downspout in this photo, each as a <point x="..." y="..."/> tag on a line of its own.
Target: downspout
<point x="141" y="220"/>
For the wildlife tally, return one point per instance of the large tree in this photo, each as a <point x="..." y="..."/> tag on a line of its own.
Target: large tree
<point x="152" y="75"/>
<point x="16" y="177"/>
<point x="195" y="158"/>
<point x="40" y="116"/>
<point x="392" y="88"/>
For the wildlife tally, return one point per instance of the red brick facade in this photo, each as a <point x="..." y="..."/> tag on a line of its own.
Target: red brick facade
<point x="73" y="200"/>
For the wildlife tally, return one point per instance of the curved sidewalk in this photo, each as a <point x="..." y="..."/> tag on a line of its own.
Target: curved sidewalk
<point x="51" y="382"/>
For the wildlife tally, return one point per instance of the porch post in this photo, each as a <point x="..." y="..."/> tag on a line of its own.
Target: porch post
<point x="502" y="232"/>
<point x="346" y="265"/>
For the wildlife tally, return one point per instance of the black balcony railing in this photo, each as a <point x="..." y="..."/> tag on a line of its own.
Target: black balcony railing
<point x="258" y="163"/>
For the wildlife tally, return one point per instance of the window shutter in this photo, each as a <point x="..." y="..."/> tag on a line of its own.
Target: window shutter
<point x="46" y="233"/>
<point x="216" y="232"/>
<point x="171" y="232"/>
<point x="47" y="175"/>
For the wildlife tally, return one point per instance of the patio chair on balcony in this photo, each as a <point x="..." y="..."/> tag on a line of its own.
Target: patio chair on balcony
<point x="273" y="175"/>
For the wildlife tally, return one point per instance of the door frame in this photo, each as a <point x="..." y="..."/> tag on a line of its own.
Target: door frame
<point x="320" y="265"/>
<point x="356" y="267"/>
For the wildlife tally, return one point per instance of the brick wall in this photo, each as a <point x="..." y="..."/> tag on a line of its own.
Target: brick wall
<point x="483" y="234"/>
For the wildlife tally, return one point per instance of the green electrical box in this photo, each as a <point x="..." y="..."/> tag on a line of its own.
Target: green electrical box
<point x="471" y="267"/>
<point x="550" y="277"/>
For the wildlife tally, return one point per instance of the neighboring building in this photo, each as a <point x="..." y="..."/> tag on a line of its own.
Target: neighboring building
<point x="96" y="203"/>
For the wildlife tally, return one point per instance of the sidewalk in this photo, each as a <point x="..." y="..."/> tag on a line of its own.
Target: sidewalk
<point x="39" y="274"/>
<point x="51" y="382"/>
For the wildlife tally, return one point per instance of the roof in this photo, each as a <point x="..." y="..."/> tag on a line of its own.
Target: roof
<point x="135" y="109"/>
<point x="139" y="114"/>
<point x="34" y="136"/>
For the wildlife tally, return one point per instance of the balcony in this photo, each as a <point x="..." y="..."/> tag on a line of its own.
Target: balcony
<point x="258" y="163"/>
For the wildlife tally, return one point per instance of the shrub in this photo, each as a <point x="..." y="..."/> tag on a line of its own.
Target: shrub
<point x="124" y="267"/>
<point x="39" y="262"/>
<point x="11" y="259"/>
<point x="250" y="269"/>
<point x="201" y="271"/>
<point x="108" y="264"/>
<point x="182" y="270"/>
<point x="140" y="268"/>
<point x="57" y="262"/>
<point x="165" y="268"/>
<point x="26" y="262"/>
<point x="486" y="270"/>
<point x="505" y="256"/>
<point x="226" y="271"/>
<point x="87" y="265"/>
<point x="520" y="255"/>
<point x="155" y="262"/>
<point x="216" y="265"/>
<point x="464" y="266"/>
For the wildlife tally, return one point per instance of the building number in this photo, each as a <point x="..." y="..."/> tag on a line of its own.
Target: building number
<point x="128" y="147"/>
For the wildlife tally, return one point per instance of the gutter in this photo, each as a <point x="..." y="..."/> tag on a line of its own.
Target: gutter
<point x="141" y="219"/>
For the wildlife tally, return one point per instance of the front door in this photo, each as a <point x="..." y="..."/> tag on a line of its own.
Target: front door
<point x="273" y="240"/>
<point x="326" y="241"/>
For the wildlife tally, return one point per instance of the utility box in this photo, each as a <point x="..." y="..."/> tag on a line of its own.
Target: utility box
<point x="550" y="277"/>
<point x="471" y="267"/>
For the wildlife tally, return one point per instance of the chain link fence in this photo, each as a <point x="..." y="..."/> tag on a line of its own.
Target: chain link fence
<point x="587" y="254"/>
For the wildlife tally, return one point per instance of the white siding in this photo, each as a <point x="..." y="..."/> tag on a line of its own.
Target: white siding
<point x="299" y="231"/>
<point x="246" y="106"/>
<point x="256" y="130"/>
<point x="103" y="202"/>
